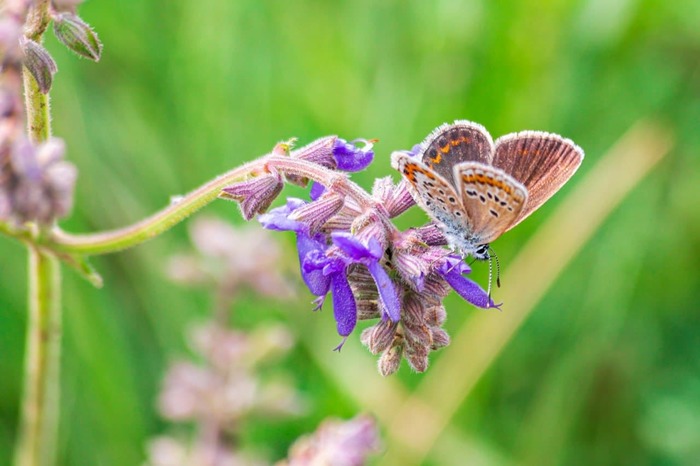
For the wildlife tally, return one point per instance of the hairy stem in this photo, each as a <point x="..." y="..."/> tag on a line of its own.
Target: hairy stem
<point x="36" y="443"/>
<point x="38" y="109"/>
<point x="150" y="227"/>
<point x="36" y="103"/>
<point x="39" y="424"/>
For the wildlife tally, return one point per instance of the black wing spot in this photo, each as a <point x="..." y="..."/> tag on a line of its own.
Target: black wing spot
<point x="510" y="209"/>
<point x="503" y="203"/>
<point x="458" y="213"/>
<point x="441" y="191"/>
<point x="471" y="193"/>
<point x="489" y="195"/>
<point x="482" y="198"/>
<point x="452" y="199"/>
<point x="493" y="212"/>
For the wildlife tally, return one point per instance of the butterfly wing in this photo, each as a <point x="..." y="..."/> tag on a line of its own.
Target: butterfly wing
<point x="450" y="144"/>
<point x="432" y="192"/>
<point x="492" y="199"/>
<point x="542" y="162"/>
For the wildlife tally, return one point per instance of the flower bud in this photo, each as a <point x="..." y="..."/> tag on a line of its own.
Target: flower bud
<point x="417" y="358"/>
<point x="390" y="360"/>
<point x="316" y="214"/>
<point x="77" y="35"/>
<point x="319" y="151"/>
<point x="379" y="337"/>
<point x="255" y="195"/>
<point x="39" y="63"/>
<point x="440" y="338"/>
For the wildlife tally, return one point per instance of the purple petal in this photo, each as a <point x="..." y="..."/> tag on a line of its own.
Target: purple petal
<point x="350" y="158"/>
<point x="453" y="262"/>
<point x="317" y="190"/>
<point x="277" y="218"/>
<point x="309" y="250"/>
<point x="353" y="247"/>
<point x="391" y="303"/>
<point x="467" y="289"/>
<point x="344" y="307"/>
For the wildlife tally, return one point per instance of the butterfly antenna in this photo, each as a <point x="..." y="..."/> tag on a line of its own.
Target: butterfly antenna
<point x="488" y="291"/>
<point x="498" y="267"/>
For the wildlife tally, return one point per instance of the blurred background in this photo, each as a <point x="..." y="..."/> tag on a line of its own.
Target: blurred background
<point x="606" y="368"/>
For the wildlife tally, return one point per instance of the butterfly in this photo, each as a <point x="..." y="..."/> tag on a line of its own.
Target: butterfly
<point x="475" y="189"/>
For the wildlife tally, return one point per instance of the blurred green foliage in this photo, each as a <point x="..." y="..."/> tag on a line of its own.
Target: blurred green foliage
<point x="606" y="370"/>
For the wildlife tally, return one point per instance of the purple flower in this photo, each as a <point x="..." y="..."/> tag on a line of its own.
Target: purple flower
<point x="334" y="271"/>
<point x="317" y="190"/>
<point x="370" y="255"/>
<point x="311" y="249"/>
<point x="320" y="272"/>
<point x="349" y="157"/>
<point x="452" y="271"/>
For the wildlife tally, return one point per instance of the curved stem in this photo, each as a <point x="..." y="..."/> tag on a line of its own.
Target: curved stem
<point x="150" y="227"/>
<point x="39" y="424"/>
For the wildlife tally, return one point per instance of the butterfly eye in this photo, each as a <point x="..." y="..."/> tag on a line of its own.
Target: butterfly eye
<point x="482" y="252"/>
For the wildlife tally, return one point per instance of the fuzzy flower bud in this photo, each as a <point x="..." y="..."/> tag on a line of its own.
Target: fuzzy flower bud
<point x="396" y="199"/>
<point x="77" y="36"/>
<point x="316" y="214"/>
<point x="254" y="195"/>
<point x="379" y="338"/>
<point x="39" y="63"/>
<point x="390" y="360"/>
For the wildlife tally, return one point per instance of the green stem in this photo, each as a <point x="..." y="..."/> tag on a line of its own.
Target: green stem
<point x="150" y="227"/>
<point x="36" y="103"/>
<point x="39" y="425"/>
<point x="36" y="445"/>
<point x="38" y="109"/>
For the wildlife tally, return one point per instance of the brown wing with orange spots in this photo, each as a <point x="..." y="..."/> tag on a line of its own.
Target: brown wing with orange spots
<point x="492" y="199"/>
<point x="542" y="162"/>
<point x="432" y="192"/>
<point x="448" y="145"/>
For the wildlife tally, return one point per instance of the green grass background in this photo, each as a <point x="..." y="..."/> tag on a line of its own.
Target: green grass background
<point x="607" y="368"/>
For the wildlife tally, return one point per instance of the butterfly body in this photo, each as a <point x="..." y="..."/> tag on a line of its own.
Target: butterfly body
<point x="475" y="189"/>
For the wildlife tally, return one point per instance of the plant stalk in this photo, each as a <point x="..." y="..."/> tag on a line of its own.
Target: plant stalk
<point x="36" y="444"/>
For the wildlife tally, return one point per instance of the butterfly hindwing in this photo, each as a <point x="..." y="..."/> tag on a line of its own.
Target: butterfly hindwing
<point x="542" y="162"/>
<point x="448" y="145"/>
<point x="492" y="199"/>
<point x="435" y="195"/>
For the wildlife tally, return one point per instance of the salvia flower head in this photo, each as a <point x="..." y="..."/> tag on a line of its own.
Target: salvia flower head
<point x="351" y="253"/>
<point x="36" y="184"/>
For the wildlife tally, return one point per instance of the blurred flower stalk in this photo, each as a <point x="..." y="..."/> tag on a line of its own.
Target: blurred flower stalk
<point x="222" y="390"/>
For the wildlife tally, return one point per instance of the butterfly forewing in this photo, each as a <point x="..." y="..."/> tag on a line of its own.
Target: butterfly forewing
<point x="435" y="195"/>
<point x="448" y="145"/>
<point x="542" y="162"/>
<point x="492" y="199"/>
